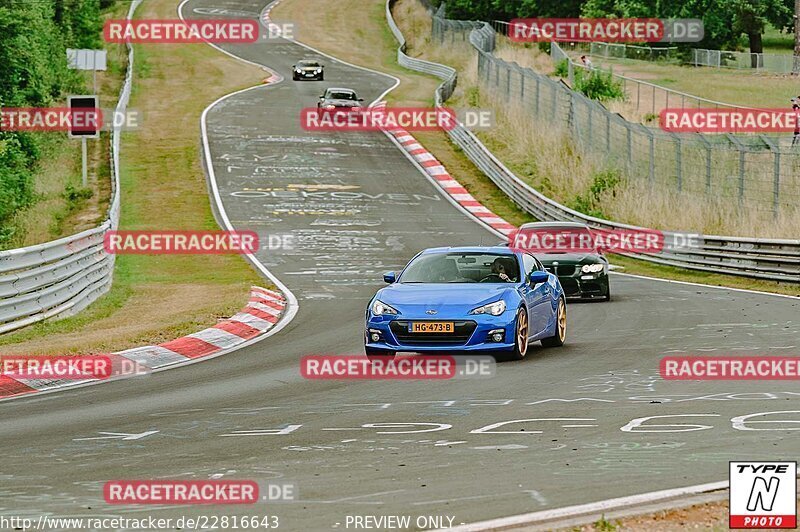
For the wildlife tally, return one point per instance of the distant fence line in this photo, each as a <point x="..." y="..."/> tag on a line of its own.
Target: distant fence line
<point x="736" y="172"/>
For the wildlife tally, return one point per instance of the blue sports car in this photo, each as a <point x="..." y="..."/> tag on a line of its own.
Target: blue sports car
<point x="469" y="299"/>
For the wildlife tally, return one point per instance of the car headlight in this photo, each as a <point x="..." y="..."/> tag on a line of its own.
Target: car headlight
<point x="380" y="308"/>
<point x="593" y="268"/>
<point x="330" y="107"/>
<point x="495" y="309"/>
<point x="318" y="71"/>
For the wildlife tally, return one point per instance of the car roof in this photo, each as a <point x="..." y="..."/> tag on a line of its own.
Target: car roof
<point x="536" y="225"/>
<point x="339" y="89"/>
<point x="499" y="250"/>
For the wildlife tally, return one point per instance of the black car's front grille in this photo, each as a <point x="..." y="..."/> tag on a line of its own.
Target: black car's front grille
<point x="562" y="269"/>
<point x="463" y="332"/>
<point x="565" y="269"/>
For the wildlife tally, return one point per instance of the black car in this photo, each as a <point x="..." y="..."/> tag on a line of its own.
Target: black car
<point x="568" y="250"/>
<point x="336" y="99"/>
<point x="308" y="69"/>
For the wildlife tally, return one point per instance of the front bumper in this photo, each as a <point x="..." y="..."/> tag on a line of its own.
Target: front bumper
<point x="584" y="285"/>
<point x="472" y="333"/>
<point x="307" y="75"/>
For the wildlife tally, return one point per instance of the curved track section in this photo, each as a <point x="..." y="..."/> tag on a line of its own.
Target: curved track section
<point x="554" y="430"/>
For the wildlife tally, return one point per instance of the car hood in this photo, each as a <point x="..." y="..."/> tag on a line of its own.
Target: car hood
<point x="569" y="258"/>
<point x="418" y="298"/>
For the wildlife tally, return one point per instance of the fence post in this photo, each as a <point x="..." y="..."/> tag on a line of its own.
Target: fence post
<point x="740" y="147"/>
<point x="638" y="93"/>
<point x="678" y="161"/>
<point x="508" y="83"/>
<point x="608" y="132"/>
<point x="652" y="157"/>
<point x="707" y="146"/>
<point x="776" y="175"/>
<point x="537" y="95"/>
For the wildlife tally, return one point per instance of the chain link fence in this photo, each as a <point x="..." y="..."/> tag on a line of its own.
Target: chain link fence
<point x="734" y="172"/>
<point x="776" y="63"/>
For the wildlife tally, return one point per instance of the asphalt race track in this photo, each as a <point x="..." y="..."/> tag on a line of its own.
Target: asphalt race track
<point x="355" y="207"/>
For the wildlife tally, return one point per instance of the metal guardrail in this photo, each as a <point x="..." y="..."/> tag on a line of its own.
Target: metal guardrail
<point x="768" y="259"/>
<point x="62" y="277"/>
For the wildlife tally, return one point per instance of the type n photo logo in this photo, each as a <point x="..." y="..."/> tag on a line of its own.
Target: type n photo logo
<point x="763" y="495"/>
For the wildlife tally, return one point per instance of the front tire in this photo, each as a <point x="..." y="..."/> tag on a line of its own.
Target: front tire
<point x="520" y="336"/>
<point x="557" y="340"/>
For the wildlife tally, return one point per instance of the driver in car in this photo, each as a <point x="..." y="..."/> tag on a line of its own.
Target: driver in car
<point x="499" y="270"/>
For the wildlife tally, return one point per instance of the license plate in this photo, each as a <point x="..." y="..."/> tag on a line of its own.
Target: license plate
<point x="432" y="327"/>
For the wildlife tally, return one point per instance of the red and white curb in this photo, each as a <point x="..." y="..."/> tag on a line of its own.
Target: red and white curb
<point x="261" y="313"/>
<point x="449" y="185"/>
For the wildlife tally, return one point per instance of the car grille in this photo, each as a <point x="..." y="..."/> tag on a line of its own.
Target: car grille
<point x="463" y="332"/>
<point x="563" y="269"/>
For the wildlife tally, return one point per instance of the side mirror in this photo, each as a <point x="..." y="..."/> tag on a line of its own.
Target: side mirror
<point x="361" y="99"/>
<point x="390" y="277"/>
<point x="322" y="97"/>
<point x="294" y="66"/>
<point x="539" y="277"/>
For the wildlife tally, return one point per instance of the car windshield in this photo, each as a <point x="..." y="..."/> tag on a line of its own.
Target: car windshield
<point x="462" y="268"/>
<point x="340" y="95"/>
<point x="555" y="239"/>
<point x="308" y="64"/>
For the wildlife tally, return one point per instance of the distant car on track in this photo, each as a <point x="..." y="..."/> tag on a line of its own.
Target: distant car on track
<point x="308" y="69"/>
<point x="336" y="100"/>
<point x="467" y="299"/>
<point x="581" y="267"/>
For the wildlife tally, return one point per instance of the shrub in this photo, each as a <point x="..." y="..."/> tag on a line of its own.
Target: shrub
<point x="598" y="85"/>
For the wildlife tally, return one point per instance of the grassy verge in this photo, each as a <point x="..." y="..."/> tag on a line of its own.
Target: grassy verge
<point x="158" y="298"/>
<point x="373" y="46"/>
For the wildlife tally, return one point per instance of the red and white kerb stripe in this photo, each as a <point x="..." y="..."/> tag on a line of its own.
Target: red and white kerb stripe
<point x="261" y="313"/>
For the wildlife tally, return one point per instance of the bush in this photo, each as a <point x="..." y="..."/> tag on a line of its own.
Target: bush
<point x="562" y="68"/>
<point x="598" y="85"/>
<point x="603" y="184"/>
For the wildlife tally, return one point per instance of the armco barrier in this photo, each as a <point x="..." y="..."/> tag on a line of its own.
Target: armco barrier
<point x="62" y="277"/>
<point x="769" y="259"/>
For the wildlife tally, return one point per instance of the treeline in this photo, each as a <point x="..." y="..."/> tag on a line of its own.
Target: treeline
<point x="725" y="21"/>
<point x="34" y="36"/>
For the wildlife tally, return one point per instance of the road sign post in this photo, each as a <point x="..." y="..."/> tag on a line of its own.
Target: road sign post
<point x="84" y="109"/>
